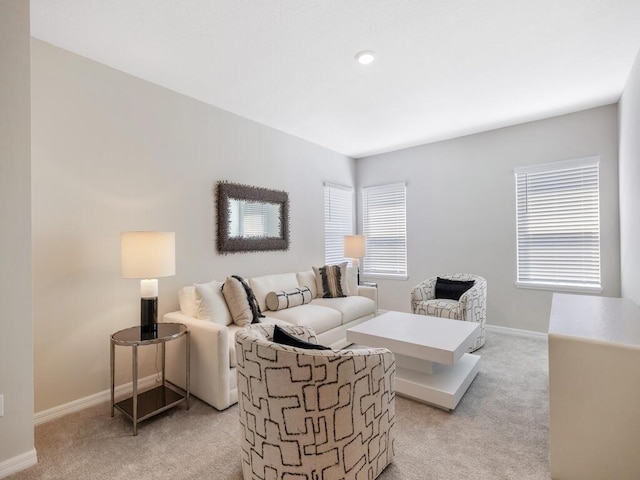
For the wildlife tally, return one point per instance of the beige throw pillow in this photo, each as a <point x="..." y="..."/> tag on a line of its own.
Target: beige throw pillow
<point x="331" y="280"/>
<point x="241" y="302"/>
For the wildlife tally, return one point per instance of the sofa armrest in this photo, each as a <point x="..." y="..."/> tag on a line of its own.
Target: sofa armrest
<point x="369" y="292"/>
<point x="209" y="365"/>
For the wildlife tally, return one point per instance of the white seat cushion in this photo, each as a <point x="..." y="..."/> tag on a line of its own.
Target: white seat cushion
<point x="318" y="318"/>
<point x="350" y="308"/>
<point x="273" y="321"/>
<point x="440" y="307"/>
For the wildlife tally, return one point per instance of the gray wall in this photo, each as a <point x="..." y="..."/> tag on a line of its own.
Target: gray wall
<point x="629" y="185"/>
<point x="461" y="207"/>
<point x="16" y="353"/>
<point x="113" y="153"/>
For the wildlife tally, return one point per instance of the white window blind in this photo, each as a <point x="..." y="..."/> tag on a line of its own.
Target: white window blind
<point x="338" y="221"/>
<point x="384" y="223"/>
<point x="558" y="225"/>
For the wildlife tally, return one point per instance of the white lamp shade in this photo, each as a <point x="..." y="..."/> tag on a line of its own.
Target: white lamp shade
<point x="147" y="254"/>
<point x="355" y="246"/>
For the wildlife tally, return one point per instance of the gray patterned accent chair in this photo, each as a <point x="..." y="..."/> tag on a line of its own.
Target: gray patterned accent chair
<point x="471" y="307"/>
<point x="313" y="414"/>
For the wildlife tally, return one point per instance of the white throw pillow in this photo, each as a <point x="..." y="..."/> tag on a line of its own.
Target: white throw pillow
<point x="210" y="303"/>
<point x="187" y="300"/>
<point x="352" y="281"/>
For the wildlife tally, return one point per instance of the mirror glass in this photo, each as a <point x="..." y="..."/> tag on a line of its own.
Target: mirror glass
<point x="251" y="219"/>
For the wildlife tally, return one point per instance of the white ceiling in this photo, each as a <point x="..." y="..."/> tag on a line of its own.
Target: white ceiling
<point x="444" y="68"/>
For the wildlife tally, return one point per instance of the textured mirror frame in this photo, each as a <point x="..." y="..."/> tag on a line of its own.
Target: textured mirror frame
<point x="228" y="244"/>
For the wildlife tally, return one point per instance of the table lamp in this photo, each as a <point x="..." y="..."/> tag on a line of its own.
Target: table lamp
<point x="355" y="247"/>
<point x="147" y="255"/>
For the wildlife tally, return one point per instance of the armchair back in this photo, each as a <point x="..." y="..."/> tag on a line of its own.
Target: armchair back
<point x="313" y="413"/>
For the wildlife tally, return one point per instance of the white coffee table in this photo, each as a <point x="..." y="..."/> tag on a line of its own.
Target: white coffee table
<point x="431" y="360"/>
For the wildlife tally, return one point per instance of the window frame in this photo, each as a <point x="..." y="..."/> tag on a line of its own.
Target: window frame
<point x="401" y="224"/>
<point x="337" y="242"/>
<point x="589" y="213"/>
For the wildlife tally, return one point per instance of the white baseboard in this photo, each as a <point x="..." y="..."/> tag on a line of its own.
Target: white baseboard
<point x="86" y="402"/>
<point x="18" y="463"/>
<point x="104" y="396"/>
<point x="516" y="332"/>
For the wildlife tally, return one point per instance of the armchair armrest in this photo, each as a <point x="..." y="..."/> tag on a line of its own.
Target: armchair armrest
<point x="422" y="292"/>
<point x="209" y="363"/>
<point x="473" y="303"/>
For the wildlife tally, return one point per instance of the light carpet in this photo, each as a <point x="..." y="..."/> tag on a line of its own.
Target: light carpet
<point x="498" y="431"/>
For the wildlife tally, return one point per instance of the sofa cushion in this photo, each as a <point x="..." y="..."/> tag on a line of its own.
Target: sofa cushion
<point x="352" y="281"/>
<point x="308" y="279"/>
<point x="442" y="307"/>
<point x="187" y="301"/>
<point x="331" y="280"/>
<point x="241" y="301"/>
<point x="210" y="303"/>
<point x="261" y="286"/>
<point x="274" y="321"/>
<point x="288" y="299"/>
<point x="317" y="317"/>
<point x="350" y="308"/>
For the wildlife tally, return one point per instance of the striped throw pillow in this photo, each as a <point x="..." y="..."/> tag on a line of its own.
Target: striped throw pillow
<point x="331" y="280"/>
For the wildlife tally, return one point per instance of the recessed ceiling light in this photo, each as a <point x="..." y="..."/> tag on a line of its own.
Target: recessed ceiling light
<point x="365" y="57"/>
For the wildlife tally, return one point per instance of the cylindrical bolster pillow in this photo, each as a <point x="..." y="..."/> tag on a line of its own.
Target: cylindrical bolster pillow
<point x="291" y="298"/>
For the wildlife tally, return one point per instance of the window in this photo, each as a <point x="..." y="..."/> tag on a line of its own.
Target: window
<point x="384" y="223"/>
<point x="558" y="225"/>
<point x="338" y="221"/>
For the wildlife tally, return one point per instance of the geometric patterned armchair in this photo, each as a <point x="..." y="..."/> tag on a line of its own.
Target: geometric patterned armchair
<point x="471" y="307"/>
<point x="313" y="414"/>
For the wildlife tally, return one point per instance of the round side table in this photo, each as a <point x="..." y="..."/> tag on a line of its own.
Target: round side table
<point x="142" y="405"/>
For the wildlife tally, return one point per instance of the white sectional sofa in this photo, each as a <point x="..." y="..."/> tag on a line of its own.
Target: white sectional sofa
<point x="213" y="357"/>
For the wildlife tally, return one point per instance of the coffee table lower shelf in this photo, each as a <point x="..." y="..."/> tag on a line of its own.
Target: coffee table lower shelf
<point x="443" y="387"/>
<point x="151" y="402"/>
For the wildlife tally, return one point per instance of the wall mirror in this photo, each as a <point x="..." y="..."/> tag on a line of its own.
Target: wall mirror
<point x="251" y="219"/>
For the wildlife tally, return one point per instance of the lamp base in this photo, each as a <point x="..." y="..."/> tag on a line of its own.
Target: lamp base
<point x="149" y="314"/>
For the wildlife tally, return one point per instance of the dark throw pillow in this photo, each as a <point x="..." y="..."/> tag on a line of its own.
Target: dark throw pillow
<point x="452" y="289"/>
<point x="285" y="338"/>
